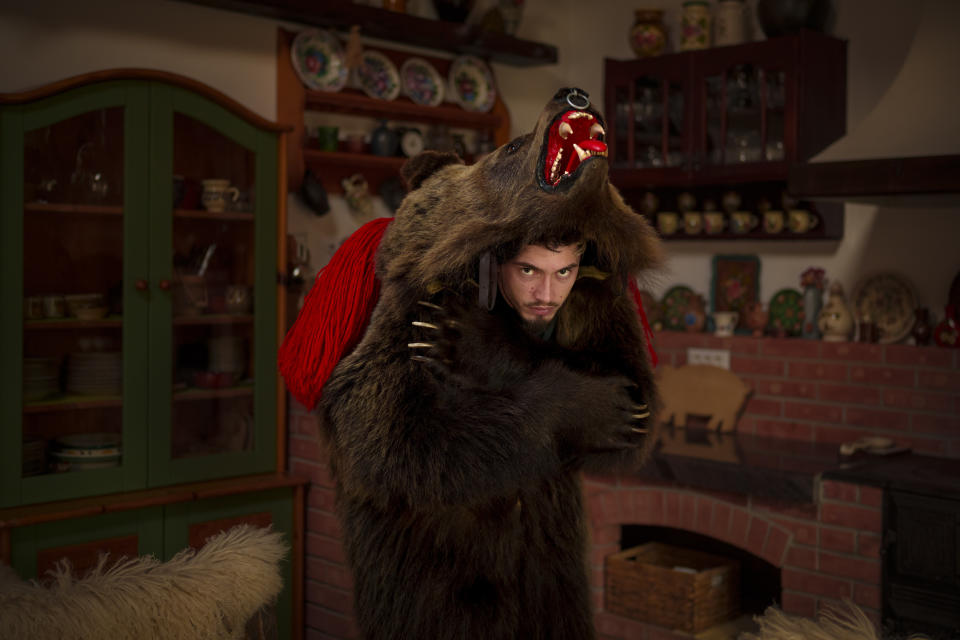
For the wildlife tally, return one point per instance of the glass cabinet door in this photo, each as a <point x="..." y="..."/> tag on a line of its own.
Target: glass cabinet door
<point x="744" y="115"/>
<point x="742" y="97"/>
<point x="76" y="204"/>
<point x="138" y="274"/>
<point x="215" y="242"/>
<point x="649" y="113"/>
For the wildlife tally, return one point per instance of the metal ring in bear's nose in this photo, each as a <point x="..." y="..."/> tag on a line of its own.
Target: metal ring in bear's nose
<point x="578" y="100"/>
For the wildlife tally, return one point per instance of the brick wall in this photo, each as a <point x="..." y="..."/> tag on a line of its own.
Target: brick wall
<point x="328" y="610"/>
<point x="836" y="392"/>
<point x="805" y="390"/>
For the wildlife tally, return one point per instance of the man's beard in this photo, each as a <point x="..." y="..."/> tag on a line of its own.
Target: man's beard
<point x="537" y="327"/>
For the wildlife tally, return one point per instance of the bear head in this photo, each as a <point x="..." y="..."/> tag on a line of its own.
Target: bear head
<point x="551" y="183"/>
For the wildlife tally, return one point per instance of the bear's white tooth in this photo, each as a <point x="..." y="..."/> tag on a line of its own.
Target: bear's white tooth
<point x="583" y="155"/>
<point x="565" y="130"/>
<point x="596" y="131"/>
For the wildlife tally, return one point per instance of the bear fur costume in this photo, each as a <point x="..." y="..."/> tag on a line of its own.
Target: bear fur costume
<point x="457" y="472"/>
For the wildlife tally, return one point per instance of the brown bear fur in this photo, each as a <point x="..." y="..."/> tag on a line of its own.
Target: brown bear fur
<point x="458" y="481"/>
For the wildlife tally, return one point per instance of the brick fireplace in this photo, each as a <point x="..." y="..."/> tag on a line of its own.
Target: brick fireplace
<point x="825" y="548"/>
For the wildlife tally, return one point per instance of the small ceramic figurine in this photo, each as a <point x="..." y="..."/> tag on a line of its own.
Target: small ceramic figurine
<point x="755" y="318"/>
<point x="835" y="320"/>
<point x="947" y="332"/>
<point x="812" y="281"/>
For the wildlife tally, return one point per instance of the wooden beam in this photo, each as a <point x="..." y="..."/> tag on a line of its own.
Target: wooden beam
<point x="880" y="177"/>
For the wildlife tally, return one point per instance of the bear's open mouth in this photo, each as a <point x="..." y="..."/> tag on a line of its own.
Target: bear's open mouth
<point x="573" y="138"/>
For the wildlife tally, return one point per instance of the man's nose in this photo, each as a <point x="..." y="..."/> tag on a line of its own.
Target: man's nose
<point x="544" y="289"/>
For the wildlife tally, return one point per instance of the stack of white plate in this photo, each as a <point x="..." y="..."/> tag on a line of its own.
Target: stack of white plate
<point x="94" y="373"/>
<point x="41" y="378"/>
<point x="34" y="457"/>
<point x="85" y="451"/>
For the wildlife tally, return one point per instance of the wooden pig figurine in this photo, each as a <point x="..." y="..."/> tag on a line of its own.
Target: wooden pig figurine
<point x="701" y="390"/>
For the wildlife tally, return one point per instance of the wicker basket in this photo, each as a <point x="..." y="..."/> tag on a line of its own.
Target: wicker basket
<point x="672" y="587"/>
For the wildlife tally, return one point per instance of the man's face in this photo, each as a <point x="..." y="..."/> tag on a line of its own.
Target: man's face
<point x="537" y="280"/>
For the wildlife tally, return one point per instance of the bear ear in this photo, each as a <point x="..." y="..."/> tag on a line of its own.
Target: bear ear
<point x="423" y="165"/>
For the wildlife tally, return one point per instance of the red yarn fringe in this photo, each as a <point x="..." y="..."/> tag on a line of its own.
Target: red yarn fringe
<point x="334" y="316"/>
<point x="647" y="332"/>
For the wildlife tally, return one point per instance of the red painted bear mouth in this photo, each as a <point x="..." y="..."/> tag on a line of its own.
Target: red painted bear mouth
<point x="573" y="138"/>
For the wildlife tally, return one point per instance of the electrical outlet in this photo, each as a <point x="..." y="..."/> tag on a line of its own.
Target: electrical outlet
<point x="713" y="357"/>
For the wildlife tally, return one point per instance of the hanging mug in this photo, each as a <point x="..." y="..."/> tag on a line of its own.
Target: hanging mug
<point x="743" y="221"/>
<point x="801" y="220"/>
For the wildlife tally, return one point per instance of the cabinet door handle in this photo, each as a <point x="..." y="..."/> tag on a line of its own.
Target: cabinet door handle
<point x="141" y="285"/>
<point x="164" y="285"/>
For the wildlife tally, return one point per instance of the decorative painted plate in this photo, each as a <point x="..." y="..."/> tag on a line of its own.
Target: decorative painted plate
<point x="319" y="61"/>
<point x="421" y="82"/>
<point x="378" y="76"/>
<point x="674" y="305"/>
<point x="786" y="312"/>
<point x="889" y="301"/>
<point x="471" y="84"/>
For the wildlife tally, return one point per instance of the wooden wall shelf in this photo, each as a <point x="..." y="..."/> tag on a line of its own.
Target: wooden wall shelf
<point x="331" y="167"/>
<point x="353" y="102"/>
<point x="399" y="27"/>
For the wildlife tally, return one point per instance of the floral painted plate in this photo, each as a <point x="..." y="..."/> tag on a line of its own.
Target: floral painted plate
<point x="421" y="82"/>
<point x="674" y="305"/>
<point x="378" y="76"/>
<point x="471" y="84"/>
<point x="786" y="312"/>
<point x="889" y="301"/>
<point x="319" y="61"/>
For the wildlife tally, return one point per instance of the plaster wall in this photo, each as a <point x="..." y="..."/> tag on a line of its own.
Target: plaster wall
<point x="54" y="39"/>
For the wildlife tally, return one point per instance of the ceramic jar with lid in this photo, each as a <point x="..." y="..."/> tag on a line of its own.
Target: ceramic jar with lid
<point x="730" y="23"/>
<point x="695" y="24"/>
<point x="648" y="36"/>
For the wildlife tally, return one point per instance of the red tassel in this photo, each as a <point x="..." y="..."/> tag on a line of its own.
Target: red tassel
<point x="334" y="316"/>
<point x="647" y="332"/>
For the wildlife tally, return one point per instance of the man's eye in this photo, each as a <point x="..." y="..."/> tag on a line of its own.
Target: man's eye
<point x="527" y="271"/>
<point x="563" y="273"/>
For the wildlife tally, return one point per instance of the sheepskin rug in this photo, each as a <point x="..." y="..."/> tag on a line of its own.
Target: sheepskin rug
<point x="838" y="623"/>
<point x="202" y="594"/>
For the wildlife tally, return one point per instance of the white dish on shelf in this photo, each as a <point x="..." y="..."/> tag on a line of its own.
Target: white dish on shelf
<point x="318" y="60"/>
<point x="471" y="84"/>
<point x="889" y="301"/>
<point x="378" y="76"/>
<point x="421" y="82"/>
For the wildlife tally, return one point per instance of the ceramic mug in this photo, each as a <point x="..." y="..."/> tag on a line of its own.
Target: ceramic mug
<point x="743" y="221"/>
<point x="328" y="138"/>
<point x="773" y="221"/>
<point x="667" y="222"/>
<point x="692" y="222"/>
<point x="33" y="308"/>
<point x="215" y="194"/>
<point x="54" y="306"/>
<point x="801" y="221"/>
<point x="713" y="222"/>
<point x="724" y="322"/>
<point x="191" y="295"/>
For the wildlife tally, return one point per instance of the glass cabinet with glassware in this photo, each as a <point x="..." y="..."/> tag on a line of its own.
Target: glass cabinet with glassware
<point x="138" y="324"/>
<point x="724" y="115"/>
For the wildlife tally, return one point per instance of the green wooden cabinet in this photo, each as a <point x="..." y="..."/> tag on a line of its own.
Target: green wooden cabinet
<point x="161" y="531"/>
<point x="138" y="287"/>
